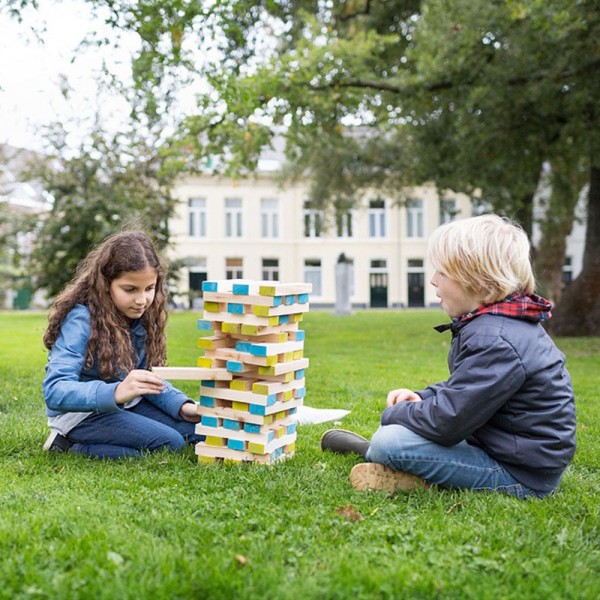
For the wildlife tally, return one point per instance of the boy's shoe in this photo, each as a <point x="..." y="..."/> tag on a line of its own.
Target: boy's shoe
<point x="56" y="442"/>
<point x="341" y="441"/>
<point x="374" y="476"/>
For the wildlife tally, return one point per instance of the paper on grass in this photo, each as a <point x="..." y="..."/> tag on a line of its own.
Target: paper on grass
<point x="305" y="415"/>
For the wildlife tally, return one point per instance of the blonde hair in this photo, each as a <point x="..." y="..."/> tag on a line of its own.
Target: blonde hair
<point x="486" y="255"/>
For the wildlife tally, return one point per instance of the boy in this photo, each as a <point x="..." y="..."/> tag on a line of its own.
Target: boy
<point x="504" y="420"/>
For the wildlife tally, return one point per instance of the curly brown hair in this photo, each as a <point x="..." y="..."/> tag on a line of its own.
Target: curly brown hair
<point x="110" y="342"/>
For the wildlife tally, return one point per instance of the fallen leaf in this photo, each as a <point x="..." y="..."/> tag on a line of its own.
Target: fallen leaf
<point x="241" y="559"/>
<point x="349" y="512"/>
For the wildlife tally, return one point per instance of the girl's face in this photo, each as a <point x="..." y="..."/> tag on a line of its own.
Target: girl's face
<point x="133" y="292"/>
<point x="454" y="299"/>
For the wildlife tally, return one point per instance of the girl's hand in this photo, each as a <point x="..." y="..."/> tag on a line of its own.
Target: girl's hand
<point x="188" y="412"/>
<point x="138" y="383"/>
<point x="402" y="395"/>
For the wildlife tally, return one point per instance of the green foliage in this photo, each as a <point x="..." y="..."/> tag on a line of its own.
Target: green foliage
<point x="164" y="527"/>
<point x="107" y="183"/>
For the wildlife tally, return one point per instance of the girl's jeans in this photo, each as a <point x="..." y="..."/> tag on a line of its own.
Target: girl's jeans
<point x="125" y="433"/>
<point x="460" y="466"/>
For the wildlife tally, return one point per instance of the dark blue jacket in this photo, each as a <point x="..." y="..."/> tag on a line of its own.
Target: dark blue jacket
<point x="508" y="393"/>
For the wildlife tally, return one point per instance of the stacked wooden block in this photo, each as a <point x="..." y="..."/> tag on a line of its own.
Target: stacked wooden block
<point x="255" y="336"/>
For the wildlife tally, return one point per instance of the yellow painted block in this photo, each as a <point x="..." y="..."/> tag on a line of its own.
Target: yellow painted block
<point x="280" y="432"/>
<point x="297" y="355"/>
<point x="268" y="419"/>
<point x="267" y="290"/>
<point x="273" y="321"/>
<point x="249" y="329"/>
<point x="231" y="327"/>
<point x="286" y="356"/>
<point x="266" y="371"/>
<point x="209" y="460"/>
<point x="205" y="362"/>
<point x="231" y="461"/>
<point x="281" y="415"/>
<point x="240" y="406"/>
<point x="242" y="385"/>
<point x="212" y="440"/>
<point x="212" y="306"/>
<point x="260" y="388"/>
<point x="290" y="448"/>
<point x="288" y="395"/>
<point x="260" y="311"/>
<point x="256" y="448"/>
<point x="271" y="360"/>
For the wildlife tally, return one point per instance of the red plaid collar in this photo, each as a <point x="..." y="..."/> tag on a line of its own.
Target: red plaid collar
<point x="530" y="307"/>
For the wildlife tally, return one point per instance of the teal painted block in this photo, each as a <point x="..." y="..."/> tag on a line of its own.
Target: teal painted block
<point x="241" y="289"/>
<point x="243" y="346"/>
<point x="291" y="428"/>
<point x="294" y="410"/>
<point x="277" y="300"/>
<point x="256" y="350"/>
<point x="210" y="286"/>
<point x="270" y="436"/>
<point x="289" y="300"/>
<point x="284" y="319"/>
<point x="235" y="309"/>
<point x="302" y="298"/>
<point x="300" y="335"/>
<point x="235" y="444"/>
<point x="207" y="401"/>
<point x="205" y="325"/>
<point x="232" y="424"/>
<point x="251" y="428"/>
<point x="300" y="392"/>
<point x="257" y="409"/>
<point x="209" y="421"/>
<point x="234" y="366"/>
<point x="299" y="374"/>
<point x="208" y="383"/>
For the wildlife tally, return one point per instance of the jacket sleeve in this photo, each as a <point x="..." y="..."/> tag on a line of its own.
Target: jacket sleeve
<point x="170" y="400"/>
<point x="62" y="388"/>
<point x="487" y="372"/>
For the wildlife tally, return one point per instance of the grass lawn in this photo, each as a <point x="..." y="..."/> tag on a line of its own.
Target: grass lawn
<point x="165" y="527"/>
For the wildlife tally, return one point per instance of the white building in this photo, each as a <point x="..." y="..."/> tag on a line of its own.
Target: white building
<point x="256" y="230"/>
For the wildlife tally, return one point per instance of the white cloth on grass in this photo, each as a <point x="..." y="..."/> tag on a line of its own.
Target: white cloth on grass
<point x="305" y="415"/>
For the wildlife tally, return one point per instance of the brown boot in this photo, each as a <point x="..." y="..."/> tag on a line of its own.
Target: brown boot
<point x="374" y="476"/>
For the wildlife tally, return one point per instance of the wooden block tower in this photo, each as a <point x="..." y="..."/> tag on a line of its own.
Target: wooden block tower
<point x="255" y="337"/>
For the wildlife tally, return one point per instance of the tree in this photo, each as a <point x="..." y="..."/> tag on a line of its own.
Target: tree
<point x="108" y="182"/>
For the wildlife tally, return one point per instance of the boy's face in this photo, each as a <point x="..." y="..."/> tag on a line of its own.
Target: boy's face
<point x="133" y="292"/>
<point x="454" y="299"/>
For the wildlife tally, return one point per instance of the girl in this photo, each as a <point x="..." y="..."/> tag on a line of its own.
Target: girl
<point x="106" y="329"/>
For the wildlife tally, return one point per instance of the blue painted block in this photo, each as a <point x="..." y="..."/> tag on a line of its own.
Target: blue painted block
<point x="207" y="401"/>
<point x="209" y="383"/>
<point x="299" y="374"/>
<point x="300" y="335"/>
<point x="241" y="289"/>
<point x="293" y="411"/>
<point x="302" y="298"/>
<point x="270" y="436"/>
<point x="284" y="319"/>
<point x="243" y="346"/>
<point x="205" y="325"/>
<point x="209" y="421"/>
<point x="277" y="300"/>
<point x="210" y="286"/>
<point x="234" y="308"/>
<point x="256" y="350"/>
<point x="300" y="393"/>
<point x="234" y="366"/>
<point x="290" y="300"/>
<point x="257" y="409"/>
<point x="235" y="444"/>
<point x="251" y="428"/>
<point x="232" y="424"/>
<point x="291" y="428"/>
<point x="271" y="399"/>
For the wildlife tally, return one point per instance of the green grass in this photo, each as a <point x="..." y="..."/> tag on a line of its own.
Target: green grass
<point x="164" y="527"/>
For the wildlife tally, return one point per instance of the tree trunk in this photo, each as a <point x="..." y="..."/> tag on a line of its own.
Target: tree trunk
<point x="578" y="313"/>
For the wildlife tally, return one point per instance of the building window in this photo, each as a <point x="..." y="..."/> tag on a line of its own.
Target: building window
<point x="312" y="274"/>
<point x="448" y="211"/>
<point x="344" y="221"/>
<point x="233" y="217"/>
<point x="197" y="217"/>
<point x="415" y="219"/>
<point x="377" y="225"/>
<point x="567" y="271"/>
<point x="312" y="221"/>
<point x="270" y="269"/>
<point x="269" y="217"/>
<point x="479" y="206"/>
<point x="234" y="268"/>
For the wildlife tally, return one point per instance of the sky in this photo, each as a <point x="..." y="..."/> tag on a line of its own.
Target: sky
<point x="31" y="70"/>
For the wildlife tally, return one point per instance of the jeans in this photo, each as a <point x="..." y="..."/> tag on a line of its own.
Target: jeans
<point x="128" y="433"/>
<point x="462" y="466"/>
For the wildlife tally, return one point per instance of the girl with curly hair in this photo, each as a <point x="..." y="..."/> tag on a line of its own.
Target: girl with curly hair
<point x="106" y="329"/>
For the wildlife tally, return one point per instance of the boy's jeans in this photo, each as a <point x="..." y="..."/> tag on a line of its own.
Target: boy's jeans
<point x="460" y="466"/>
<point x="143" y="427"/>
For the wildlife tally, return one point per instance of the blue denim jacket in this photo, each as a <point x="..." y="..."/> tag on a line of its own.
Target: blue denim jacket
<point x="69" y="387"/>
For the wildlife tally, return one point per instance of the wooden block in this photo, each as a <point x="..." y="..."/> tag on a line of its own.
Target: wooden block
<point x="242" y="319"/>
<point x="268" y="311"/>
<point x="246" y="299"/>
<point x="275" y="288"/>
<point x="284" y="367"/>
<point x="231" y="410"/>
<point x="227" y="455"/>
<point x="270" y="388"/>
<point x="192" y="373"/>
<point x="240" y="396"/>
<point x="212" y="342"/>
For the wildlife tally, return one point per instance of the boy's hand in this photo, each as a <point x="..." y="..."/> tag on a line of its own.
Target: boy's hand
<point x="188" y="412"/>
<point x="138" y="383"/>
<point x="402" y="395"/>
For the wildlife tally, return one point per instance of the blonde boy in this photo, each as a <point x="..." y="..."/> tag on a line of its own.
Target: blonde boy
<point x="504" y="420"/>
